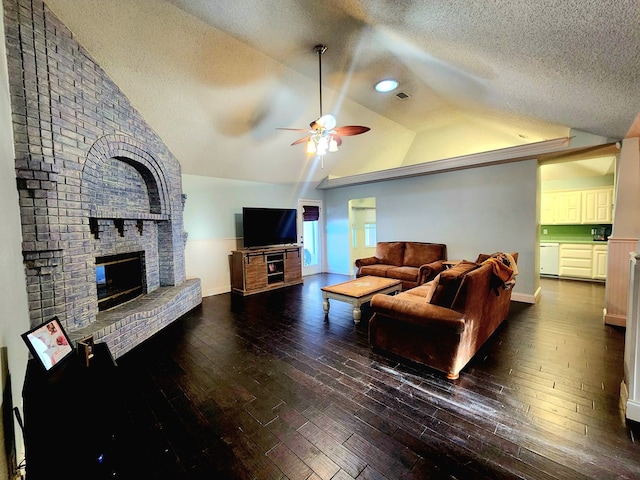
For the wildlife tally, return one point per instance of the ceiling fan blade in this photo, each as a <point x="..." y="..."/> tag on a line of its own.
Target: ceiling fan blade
<point x="323" y="130"/>
<point x="302" y="140"/>
<point x="351" y="130"/>
<point x="293" y="129"/>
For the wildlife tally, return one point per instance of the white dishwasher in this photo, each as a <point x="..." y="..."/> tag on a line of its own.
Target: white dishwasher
<point x="549" y="258"/>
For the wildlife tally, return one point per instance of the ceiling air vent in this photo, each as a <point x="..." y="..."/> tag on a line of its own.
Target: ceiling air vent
<point x="402" y="95"/>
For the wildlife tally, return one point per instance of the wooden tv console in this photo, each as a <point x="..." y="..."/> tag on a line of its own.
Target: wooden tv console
<point x="255" y="270"/>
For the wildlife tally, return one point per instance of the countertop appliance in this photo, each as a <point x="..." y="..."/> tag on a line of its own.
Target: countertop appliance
<point x="549" y="258"/>
<point x="601" y="234"/>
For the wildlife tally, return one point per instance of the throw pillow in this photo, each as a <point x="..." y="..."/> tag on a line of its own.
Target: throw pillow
<point x="449" y="283"/>
<point x="433" y="284"/>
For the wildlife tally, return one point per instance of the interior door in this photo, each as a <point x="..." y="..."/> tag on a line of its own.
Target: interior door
<point x="310" y="226"/>
<point x="362" y="234"/>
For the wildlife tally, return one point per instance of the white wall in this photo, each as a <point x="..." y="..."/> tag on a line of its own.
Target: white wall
<point x="14" y="319"/>
<point x="213" y="221"/>
<point x="479" y="210"/>
<point x="468" y="134"/>
<point x="484" y="209"/>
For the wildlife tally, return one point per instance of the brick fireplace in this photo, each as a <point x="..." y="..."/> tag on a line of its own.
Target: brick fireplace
<point x="94" y="182"/>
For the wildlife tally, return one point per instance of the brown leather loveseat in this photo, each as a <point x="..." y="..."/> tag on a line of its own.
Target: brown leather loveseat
<point x="443" y="323"/>
<point x="412" y="262"/>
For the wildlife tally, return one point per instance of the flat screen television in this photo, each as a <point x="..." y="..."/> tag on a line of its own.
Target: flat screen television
<point x="265" y="227"/>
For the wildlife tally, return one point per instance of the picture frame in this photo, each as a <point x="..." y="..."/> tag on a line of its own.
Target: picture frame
<point x="49" y="344"/>
<point x="85" y="350"/>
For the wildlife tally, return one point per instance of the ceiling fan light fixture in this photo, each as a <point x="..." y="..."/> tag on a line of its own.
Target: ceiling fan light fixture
<point x="323" y="135"/>
<point x="386" y="85"/>
<point x="311" y="146"/>
<point x="323" y="145"/>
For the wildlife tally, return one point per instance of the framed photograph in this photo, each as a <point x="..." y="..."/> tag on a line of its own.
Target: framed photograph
<point x="49" y="343"/>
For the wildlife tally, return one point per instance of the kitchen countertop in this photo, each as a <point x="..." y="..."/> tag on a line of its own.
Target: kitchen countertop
<point x="546" y="239"/>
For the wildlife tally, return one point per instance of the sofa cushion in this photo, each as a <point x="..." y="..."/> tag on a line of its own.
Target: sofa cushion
<point x="409" y="297"/>
<point x="421" y="291"/>
<point x="483" y="256"/>
<point x="390" y="253"/>
<point x="416" y="254"/>
<point x="449" y="283"/>
<point x="404" y="273"/>
<point x="377" y="270"/>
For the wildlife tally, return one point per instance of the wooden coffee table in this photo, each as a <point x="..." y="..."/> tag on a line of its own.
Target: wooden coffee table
<point x="358" y="291"/>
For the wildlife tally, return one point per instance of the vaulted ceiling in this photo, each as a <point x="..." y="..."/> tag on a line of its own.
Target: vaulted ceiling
<point x="216" y="78"/>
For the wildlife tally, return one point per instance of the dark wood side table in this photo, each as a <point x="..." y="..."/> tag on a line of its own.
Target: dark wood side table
<point x="73" y="419"/>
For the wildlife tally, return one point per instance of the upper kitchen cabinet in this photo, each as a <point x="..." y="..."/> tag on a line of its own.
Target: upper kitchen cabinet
<point x="573" y="207"/>
<point x="546" y="209"/>
<point x="597" y="205"/>
<point x="567" y="207"/>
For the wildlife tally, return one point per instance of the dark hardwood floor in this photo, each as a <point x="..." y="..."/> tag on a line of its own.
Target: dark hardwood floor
<point x="266" y="387"/>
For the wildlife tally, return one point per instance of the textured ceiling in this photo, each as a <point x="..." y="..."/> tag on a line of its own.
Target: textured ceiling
<point x="215" y="78"/>
<point x="574" y="63"/>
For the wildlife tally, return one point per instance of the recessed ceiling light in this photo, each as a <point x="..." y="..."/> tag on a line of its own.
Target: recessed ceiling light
<point x="386" y="85"/>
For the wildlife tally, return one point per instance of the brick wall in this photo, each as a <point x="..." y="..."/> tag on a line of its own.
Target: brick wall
<point x="93" y="178"/>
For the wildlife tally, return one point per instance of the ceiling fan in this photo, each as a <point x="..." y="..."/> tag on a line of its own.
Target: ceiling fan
<point x="324" y="136"/>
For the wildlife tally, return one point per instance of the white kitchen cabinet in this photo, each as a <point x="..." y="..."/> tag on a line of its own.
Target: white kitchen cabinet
<point x="568" y="207"/>
<point x="597" y="205"/>
<point x="576" y="260"/>
<point x="599" y="261"/>
<point x="576" y="207"/>
<point x="583" y="260"/>
<point x="546" y="209"/>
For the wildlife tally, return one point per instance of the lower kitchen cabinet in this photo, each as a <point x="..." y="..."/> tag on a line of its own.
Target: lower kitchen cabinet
<point x="583" y="260"/>
<point x="600" y="262"/>
<point x="576" y="260"/>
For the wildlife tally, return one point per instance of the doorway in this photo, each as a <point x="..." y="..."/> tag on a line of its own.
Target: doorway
<point x="362" y="228"/>
<point x="310" y="221"/>
<point x="576" y="201"/>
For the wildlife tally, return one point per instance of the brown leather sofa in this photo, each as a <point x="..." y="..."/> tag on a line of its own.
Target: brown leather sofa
<point x="443" y="323"/>
<point x="412" y="262"/>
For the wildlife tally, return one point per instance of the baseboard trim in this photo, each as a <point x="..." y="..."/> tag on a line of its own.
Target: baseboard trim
<point x="216" y="290"/>
<point x="624" y="396"/>
<point x="616" y="320"/>
<point x="632" y="412"/>
<point x="538" y="293"/>
<point x="523" y="297"/>
<point x="631" y="408"/>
